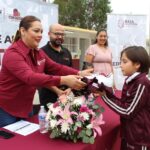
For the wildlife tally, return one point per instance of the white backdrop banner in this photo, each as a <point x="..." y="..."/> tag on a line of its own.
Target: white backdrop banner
<point x="12" y="11"/>
<point x="124" y="31"/>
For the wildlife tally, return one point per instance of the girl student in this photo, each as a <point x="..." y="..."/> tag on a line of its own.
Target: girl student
<point x="134" y="104"/>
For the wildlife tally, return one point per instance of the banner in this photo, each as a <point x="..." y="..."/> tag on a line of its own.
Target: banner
<point x="124" y="31"/>
<point x="12" y="11"/>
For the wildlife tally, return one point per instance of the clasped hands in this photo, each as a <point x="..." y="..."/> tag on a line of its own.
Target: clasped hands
<point x="74" y="81"/>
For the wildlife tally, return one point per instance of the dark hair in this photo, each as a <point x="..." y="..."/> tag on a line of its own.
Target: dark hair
<point x="25" y="23"/>
<point x="106" y="44"/>
<point x="138" y="54"/>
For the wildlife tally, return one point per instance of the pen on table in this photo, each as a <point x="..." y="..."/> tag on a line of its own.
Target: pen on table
<point x="22" y="127"/>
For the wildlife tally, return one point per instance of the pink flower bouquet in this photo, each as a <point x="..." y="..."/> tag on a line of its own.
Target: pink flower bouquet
<point x="75" y="118"/>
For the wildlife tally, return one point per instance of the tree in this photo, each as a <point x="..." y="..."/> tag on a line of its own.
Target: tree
<point x="88" y="14"/>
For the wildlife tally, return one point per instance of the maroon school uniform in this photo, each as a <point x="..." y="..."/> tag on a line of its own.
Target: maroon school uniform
<point x="21" y="74"/>
<point x="134" y="109"/>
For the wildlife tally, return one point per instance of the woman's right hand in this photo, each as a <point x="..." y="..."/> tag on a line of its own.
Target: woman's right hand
<point x="73" y="81"/>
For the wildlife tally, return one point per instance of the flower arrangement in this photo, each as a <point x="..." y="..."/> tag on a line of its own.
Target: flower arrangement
<point x="75" y="118"/>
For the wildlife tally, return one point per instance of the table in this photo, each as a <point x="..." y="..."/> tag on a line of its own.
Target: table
<point x="110" y="140"/>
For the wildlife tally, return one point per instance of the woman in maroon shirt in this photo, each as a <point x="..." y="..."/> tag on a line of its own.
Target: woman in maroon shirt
<point x="23" y="70"/>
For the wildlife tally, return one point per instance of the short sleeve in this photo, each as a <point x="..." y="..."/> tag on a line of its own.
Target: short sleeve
<point x="91" y="50"/>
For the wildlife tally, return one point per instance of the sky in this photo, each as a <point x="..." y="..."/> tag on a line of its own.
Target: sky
<point x="139" y="7"/>
<point x="131" y="6"/>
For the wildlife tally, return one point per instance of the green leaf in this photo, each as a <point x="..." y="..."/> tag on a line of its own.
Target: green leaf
<point x="53" y="134"/>
<point x="88" y="132"/>
<point x="78" y="124"/>
<point x="75" y="128"/>
<point x="75" y="140"/>
<point x="96" y="106"/>
<point x="48" y="104"/>
<point x="82" y="133"/>
<point x="86" y="139"/>
<point x="97" y="113"/>
<point x="102" y="109"/>
<point x="92" y="140"/>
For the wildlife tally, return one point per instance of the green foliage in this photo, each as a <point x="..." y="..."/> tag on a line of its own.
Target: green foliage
<point x="54" y="134"/>
<point x="88" y="14"/>
<point x="88" y="132"/>
<point x="96" y="107"/>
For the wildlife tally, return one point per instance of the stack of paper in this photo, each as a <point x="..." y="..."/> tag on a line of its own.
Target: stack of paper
<point x="23" y="127"/>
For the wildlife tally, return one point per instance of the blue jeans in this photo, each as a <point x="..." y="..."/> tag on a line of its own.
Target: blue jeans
<point x="6" y="118"/>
